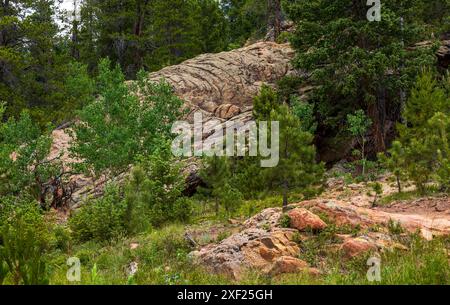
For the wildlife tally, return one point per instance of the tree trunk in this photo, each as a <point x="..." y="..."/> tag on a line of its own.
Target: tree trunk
<point x="285" y="195"/>
<point x="75" y="51"/>
<point x="217" y="207"/>
<point x="399" y="185"/>
<point x="274" y="18"/>
<point x="377" y="113"/>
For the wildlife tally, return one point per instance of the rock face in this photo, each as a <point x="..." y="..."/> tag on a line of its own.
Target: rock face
<point x="228" y="78"/>
<point x="221" y="86"/>
<point x="289" y="264"/>
<point x="302" y="220"/>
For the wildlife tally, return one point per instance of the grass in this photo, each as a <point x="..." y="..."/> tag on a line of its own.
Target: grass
<point x="162" y="257"/>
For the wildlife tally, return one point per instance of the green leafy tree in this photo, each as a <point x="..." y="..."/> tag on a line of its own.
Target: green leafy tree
<point x="25" y="167"/>
<point x="305" y="112"/>
<point x="297" y="168"/>
<point x="126" y="121"/>
<point x="216" y="175"/>
<point x="102" y="219"/>
<point x="35" y="63"/>
<point x="149" y="34"/>
<point x="358" y="126"/>
<point x="247" y="18"/>
<point x="265" y="103"/>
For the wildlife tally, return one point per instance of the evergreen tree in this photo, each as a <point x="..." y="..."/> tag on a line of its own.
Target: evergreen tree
<point x="216" y="174"/>
<point x="35" y="62"/>
<point x="297" y="168"/>
<point x="247" y="18"/>
<point x="361" y="64"/>
<point x="422" y="146"/>
<point x="265" y="103"/>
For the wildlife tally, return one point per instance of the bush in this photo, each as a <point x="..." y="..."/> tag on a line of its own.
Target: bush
<point x="24" y="238"/>
<point x="101" y="219"/>
<point x="153" y="194"/>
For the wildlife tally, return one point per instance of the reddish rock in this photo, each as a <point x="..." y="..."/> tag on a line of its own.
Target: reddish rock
<point x="289" y="264"/>
<point x="302" y="219"/>
<point x="354" y="247"/>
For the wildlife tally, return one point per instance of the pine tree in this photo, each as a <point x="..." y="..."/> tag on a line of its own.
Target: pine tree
<point x="265" y="103"/>
<point x="361" y="64"/>
<point x="423" y="143"/>
<point x="35" y="62"/>
<point x="297" y="168"/>
<point x="216" y="174"/>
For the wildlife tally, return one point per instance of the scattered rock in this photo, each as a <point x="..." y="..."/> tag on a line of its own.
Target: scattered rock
<point x="267" y="219"/>
<point x="249" y="249"/>
<point x="302" y="219"/>
<point x="354" y="247"/>
<point x="134" y="246"/>
<point x="289" y="264"/>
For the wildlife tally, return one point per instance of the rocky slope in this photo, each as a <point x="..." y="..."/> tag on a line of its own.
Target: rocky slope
<point x="353" y="228"/>
<point x="221" y="86"/>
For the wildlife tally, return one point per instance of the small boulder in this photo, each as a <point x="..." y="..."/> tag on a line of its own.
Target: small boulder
<point x="302" y="219"/>
<point x="354" y="247"/>
<point x="289" y="264"/>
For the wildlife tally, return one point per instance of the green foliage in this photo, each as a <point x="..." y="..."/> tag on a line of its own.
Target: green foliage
<point x="149" y="35"/>
<point x="377" y="188"/>
<point x="36" y="69"/>
<point x="122" y="126"/>
<point x="216" y="174"/>
<point x="265" y="103"/>
<point x="395" y="163"/>
<point x="422" y="148"/>
<point x="357" y="64"/>
<point x="24" y="238"/>
<point x="247" y="19"/>
<point x="288" y="86"/>
<point x="358" y="125"/>
<point x="305" y="112"/>
<point x="285" y="221"/>
<point x="395" y="228"/>
<point x="297" y="167"/>
<point x="101" y="219"/>
<point x="153" y="194"/>
<point x="24" y="166"/>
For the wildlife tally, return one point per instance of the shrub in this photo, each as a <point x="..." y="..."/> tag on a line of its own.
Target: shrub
<point x="153" y="194"/>
<point x="24" y="238"/>
<point x="101" y="219"/>
<point x="285" y="221"/>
